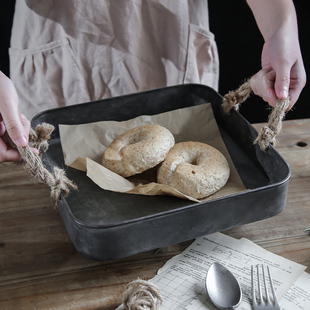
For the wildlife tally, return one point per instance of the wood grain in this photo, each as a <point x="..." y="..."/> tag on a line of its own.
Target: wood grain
<point x="40" y="268"/>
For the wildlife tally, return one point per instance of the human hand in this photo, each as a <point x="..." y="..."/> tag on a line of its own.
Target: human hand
<point x="12" y="124"/>
<point x="283" y="73"/>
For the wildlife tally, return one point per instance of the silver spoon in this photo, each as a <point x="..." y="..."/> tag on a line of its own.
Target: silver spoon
<point x="222" y="287"/>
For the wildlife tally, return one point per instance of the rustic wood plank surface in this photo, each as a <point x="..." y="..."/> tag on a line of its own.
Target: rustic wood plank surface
<point x="40" y="268"/>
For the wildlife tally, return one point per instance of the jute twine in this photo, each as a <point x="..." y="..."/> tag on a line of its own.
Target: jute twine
<point x="268" y="133"/>
<point x="57" y="180"/>
<point x="142" y="295"/>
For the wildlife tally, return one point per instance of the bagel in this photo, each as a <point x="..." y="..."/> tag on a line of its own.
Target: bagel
<point x="138" y="149"/>
<point x="195" y="169"/>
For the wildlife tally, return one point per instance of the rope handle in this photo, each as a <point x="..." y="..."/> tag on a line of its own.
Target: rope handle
<point x="268" y="133"/>
<point x="57" y="180"/>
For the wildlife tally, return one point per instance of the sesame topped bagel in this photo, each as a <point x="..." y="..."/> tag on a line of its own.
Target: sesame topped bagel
<point x="195" y="169"/>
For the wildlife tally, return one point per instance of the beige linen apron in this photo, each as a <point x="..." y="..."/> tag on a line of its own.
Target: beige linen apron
<point x="66" y="52"/>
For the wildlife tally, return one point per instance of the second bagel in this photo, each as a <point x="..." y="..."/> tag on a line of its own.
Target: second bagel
<point x="195" y="169"/>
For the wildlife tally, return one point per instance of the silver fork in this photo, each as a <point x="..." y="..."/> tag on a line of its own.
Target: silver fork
<point x="263" y="303"/>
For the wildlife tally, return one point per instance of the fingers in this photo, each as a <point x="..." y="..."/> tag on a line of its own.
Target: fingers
<point x="297" y="81"/>
<point x="9" y="112"/>
<point x="290" y="80"/>
<point x="16" y="126"/>
<point x="282" y="83"/>
<point x="7" y="154"/>
<point x="12" y="124"/>
<point x="26" y="125"/>
<point x="262" y="84"/>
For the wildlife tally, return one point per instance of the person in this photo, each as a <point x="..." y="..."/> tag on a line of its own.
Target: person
<point x="68" y="52"/>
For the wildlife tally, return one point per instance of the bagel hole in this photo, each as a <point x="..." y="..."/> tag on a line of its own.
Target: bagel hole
<point x="133" y="141"/>
<point x="194" y="161"/>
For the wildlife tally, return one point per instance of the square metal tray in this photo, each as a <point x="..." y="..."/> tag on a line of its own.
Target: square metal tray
<point x="107" y="225"/>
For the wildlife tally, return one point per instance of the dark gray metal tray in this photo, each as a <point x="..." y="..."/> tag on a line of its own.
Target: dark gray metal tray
<point x="107" y="225"/>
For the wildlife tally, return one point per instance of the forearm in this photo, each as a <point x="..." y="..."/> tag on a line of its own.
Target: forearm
<point x="282" y="72"/>
<point x="273" y="16"/>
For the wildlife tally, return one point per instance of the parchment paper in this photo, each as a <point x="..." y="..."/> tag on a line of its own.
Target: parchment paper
<point x="83" y="147"/>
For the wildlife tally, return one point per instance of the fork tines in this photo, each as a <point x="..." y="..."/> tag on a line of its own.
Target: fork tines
<point x="263" y="301"/>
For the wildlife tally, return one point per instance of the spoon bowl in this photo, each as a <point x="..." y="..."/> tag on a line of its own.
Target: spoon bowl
<point x="222" y="287"/>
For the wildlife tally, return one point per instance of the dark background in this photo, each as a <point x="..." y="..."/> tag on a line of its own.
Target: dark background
<point x="239" y="43"/>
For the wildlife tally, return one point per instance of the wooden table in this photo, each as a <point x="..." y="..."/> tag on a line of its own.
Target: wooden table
<point x="40" y="268"/>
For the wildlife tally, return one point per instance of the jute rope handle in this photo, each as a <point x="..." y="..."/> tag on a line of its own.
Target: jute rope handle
<point x="57" y="181"/>
<point x="269" y="132"/>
